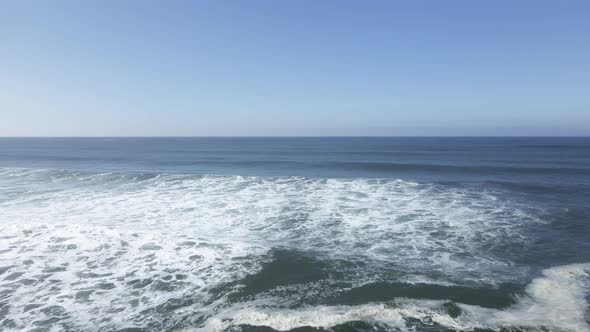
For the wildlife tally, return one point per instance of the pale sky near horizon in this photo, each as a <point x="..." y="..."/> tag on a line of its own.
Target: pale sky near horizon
<point x="241" y="68"/>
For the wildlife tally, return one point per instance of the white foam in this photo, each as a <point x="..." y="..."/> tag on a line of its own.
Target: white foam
<point x="434" y="228"/>
<point x="318" y="316"/>
<point x="101" y="277"/>
<point x="558" y="299"/>
<point x="112" y="224"/>
<point x="555" y="301"/>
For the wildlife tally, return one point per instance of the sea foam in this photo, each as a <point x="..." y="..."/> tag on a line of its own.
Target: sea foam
<point x="555" y="302"/>
<point x="108" y="251"/>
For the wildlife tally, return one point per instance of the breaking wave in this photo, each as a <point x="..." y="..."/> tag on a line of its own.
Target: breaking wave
<point x="109" y="251"/>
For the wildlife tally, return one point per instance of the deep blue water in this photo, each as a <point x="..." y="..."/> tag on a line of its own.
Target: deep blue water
<point x="543" y="160"/>
<point x="349" y="234"/>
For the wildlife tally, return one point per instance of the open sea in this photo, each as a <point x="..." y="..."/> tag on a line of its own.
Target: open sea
<point x="294" y="234"/>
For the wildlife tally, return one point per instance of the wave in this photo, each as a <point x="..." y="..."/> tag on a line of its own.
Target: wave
<point x="451" y="229"/>
<point x="110" y="250"/>
<point x="343" y="167"/>
<point x="555" y="302"/>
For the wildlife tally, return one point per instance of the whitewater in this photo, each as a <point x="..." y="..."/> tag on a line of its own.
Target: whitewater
<point x="294" y="234"/>
<point x="106" y="251"/>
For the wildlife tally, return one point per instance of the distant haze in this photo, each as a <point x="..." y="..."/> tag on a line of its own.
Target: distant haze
<point x="294" y="68"/>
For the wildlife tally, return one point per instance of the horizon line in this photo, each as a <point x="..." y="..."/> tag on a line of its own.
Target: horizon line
<point x="306" y="136"/>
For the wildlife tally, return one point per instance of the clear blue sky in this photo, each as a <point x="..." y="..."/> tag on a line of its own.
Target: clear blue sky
<point x="124" y="68"/>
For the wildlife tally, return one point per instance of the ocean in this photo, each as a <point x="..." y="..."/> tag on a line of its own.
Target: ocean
<point x="294" y="234"/>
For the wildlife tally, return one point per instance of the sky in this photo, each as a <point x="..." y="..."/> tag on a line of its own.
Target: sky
<point x="297" y="67"/>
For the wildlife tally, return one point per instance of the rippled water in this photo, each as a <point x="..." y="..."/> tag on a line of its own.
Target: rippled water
<point x="325" y="234"/>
